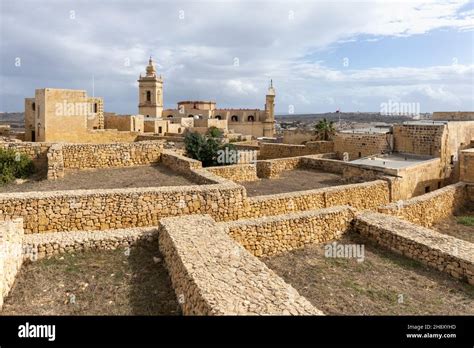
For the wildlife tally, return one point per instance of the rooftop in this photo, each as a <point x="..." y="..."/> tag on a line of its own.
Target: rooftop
<point x="392" y="161"/>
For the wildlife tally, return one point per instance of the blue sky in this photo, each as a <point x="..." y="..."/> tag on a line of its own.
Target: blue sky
<point x="322" y="55"/>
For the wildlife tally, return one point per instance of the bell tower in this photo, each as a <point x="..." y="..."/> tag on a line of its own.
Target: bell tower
<point x="269" y="121"/>
<point x="150" y="92"/>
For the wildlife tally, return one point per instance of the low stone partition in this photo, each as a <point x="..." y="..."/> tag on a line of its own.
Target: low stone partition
<point x="272" y="151"/>
<point x="178" y="163"/>
<point x="81" y="156"/>
<point x="272" y="169"/>
<point x="11" y="236"/>
<point x="237" y="173"/>
<point x="267" y="236"/>
<point x="214" y="275"/>
<point x="445" y="253"/>
<point x="368" y="195"/>
<point x="40" y="245"/>
<point x="71" y="210"/>
<point x="429" y="208"/>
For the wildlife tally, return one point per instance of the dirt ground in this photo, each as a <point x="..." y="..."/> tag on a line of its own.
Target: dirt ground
<point x="293" y="180"/>
<point x="107" y="178"/>
<point x="383" y="284"/>
<point x="452" y="227"/>
<point x="94" y="283"/>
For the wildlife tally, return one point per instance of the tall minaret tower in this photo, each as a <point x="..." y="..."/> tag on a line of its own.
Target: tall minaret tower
<point x="150" y="92"/>
<point x="269" y="121"/>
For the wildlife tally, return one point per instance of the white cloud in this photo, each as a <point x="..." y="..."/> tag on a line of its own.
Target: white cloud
<point x="196" y="53"/>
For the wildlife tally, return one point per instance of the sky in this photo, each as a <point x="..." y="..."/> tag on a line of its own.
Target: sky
<point x="321" y="55"/>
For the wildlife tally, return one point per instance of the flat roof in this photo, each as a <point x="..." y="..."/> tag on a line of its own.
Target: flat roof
<point x="392" y="161"/>
<point x="426" y="123"/>
<point x="368" y="130"/>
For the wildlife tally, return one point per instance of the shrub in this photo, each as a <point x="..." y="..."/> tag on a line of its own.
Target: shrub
<point x="205" y="148"/>
<point x="14" y="165"/>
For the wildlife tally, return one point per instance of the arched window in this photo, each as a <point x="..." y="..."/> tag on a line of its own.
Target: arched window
<point x="250" y="118"/>
<point x="234" y="118"/>
<point x="95" y="108"/>
<point x="33" y="106"/>
<point x="219" y="117"/>
<point x="148" y="96"/>
<point x="160" y="130"/>
<point x="170" y="116"/>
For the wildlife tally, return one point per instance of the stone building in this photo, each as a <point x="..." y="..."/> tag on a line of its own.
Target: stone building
<point x="61" y="115"/>
<point x="255" y="122"/>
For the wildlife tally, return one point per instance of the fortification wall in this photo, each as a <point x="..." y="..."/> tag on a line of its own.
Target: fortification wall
<point x="361" y="145"/>
<point x="429" y="208"/>
<point x="208" y="271"/>
<point x="11" y="236"/>
<point x="272" y="235"/>
<point x="445" y="253"/>
<point x="419" y="139"/>
<point x="466" y="165"/>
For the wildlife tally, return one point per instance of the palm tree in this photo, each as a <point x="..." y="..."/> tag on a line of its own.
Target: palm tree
<point x="324" y="129"/>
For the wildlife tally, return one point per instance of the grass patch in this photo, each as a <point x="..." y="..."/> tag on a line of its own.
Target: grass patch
<point x="466" y="220"/>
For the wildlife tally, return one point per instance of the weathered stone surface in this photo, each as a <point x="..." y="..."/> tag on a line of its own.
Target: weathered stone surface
<point x="445" y="253"/>
<point x="272" y="235"/>
<point x="11" y="235"/>
<point x="214" y="275"/>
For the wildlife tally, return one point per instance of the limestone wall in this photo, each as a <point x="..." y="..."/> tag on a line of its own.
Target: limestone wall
<point x="36" y="151"/>
<point x="40" y="245"/>
<point x="272" y="235"/>
<point x="272" y="169"/>
<point x="237" y="173"/>
<point x="271" y="151"/>
<point x="119" y="208"/>
<point x="419" y="139"/>
<point x="453" y="115"/>
<point x="429" y="208"/>
<point x="361" y="145"/>
<point x="466" y="165"/>
<point x="362" y="196"/>
<point x="214" y="275"/>
<point x="445" y="253"/>
<point x="80" y="156"/>
<point x="11" y="236"/>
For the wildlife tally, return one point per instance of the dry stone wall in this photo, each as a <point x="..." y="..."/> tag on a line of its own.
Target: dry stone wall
<point x="369" y="195"/>
<point x="81" y="156"/>
<point x="214" y="275"/>
<point x="40" y="245"/>
<point x="237" y="173"/>
<point x="267" y="236"/>
<point x="11" y="236"/>
<point x="429" y="208"/>
<point x="37" y="152"/>
<point x="445" y="253"/>
<point x="119" y="208"/>
<point x="271" y="151"/>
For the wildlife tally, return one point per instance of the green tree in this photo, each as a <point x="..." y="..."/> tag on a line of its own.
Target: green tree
<point x="14" y="165"/>
<point x="205" y="148"/>
<point x="325" y="129"/>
